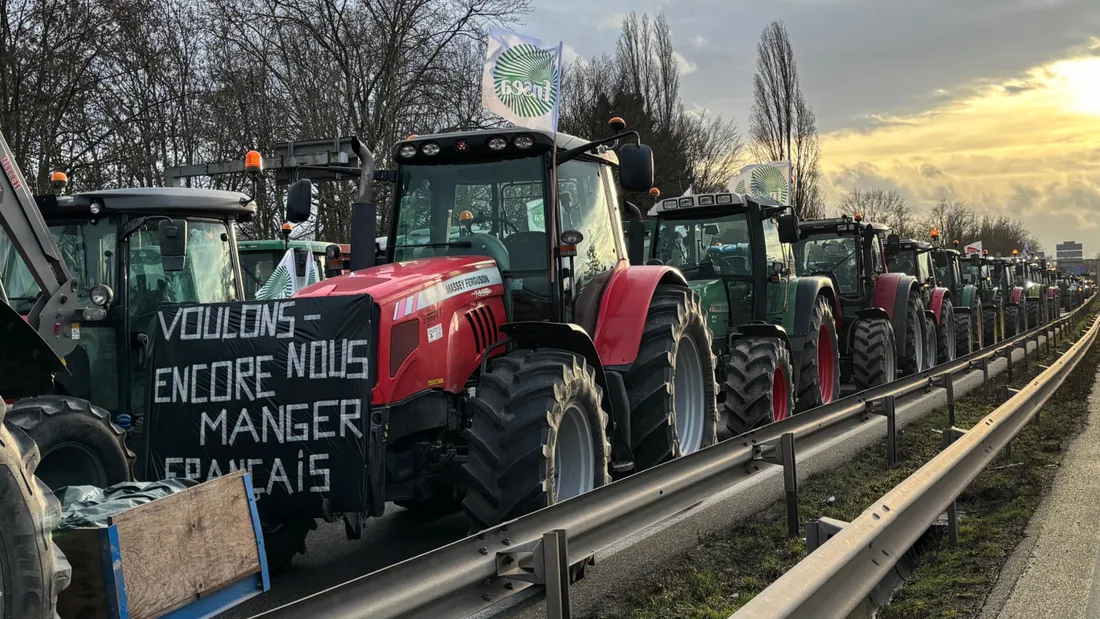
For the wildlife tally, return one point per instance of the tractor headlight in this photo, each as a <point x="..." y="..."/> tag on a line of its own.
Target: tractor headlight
<point x="497" y="143"/>
<point x="407" y="151"/>
<point x="523" y="142"/>
<point x="101" y="295"/>
<point x="430" y="149"/>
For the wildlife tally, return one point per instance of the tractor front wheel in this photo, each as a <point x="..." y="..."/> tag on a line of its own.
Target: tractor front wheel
<point x="1012" y="320"/>
<point x="945" y="333"/>
<point x="537" y="435"/>
<point x="670" y="387"/>
<point x="1034" y="313"/>
<point x="913" y="360"/>
<point x="819" y="376"/>
<point x="989" y="327"/>
<point x="965" y="343"/>
<point x="758" y="386"/>
<point x="874" y="353"/>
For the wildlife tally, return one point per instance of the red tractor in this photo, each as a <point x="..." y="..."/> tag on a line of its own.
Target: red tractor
<point x="883" y="312"/>
<point x="915" y="258"/>
<point x="515" y="342"/>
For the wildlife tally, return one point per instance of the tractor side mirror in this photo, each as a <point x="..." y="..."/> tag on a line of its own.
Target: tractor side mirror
<point x="635" y="167"/>
<point x="788" y="226"/>
<point x="779" y="268"/>
<point x="299" y="201"/>
<point x="893" y="245"/>
<point x="940" y="258"/>
<point x="976" y="260"/>
<point x="710" y="229"/>
<point x="172" y="235"/>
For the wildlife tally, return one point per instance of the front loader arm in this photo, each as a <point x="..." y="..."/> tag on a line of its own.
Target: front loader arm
<point x="52" y="314"/>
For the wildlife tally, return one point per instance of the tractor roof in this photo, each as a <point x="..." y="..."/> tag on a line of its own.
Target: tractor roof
<point x="837" y="225"/>
<point x="462" y="145"/>
<point x="914" y="244"/>
<point x="151" y="200"/>
<point x="707" y="205"/>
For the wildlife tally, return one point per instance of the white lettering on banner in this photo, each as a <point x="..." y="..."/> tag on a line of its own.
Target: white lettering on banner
<point x="212" y="323"/>
<point x="316" y="480"/>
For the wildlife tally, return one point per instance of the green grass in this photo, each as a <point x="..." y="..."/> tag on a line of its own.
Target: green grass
<point x="726" y="570"/>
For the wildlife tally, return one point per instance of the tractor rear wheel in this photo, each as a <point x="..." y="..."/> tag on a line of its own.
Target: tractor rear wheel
<point x="758" y="386"/>
<point x="819" y="376"/>
<point x="1012" y="320"/>
<point x="964" y="335"/>
<point x="930" y="343"/>
<point x="945" y="333"/>
<point x="79" y="443"/>
<point x="1034" y="313"/>
<point x="537" y="435"/>
<point x="32" y="568"/>
<point x="874" y="353"/>
<point x="670" y="387"/>
<point x="913" y="361"/>
<point x="989" y="327"/>
<point x="285" y="540"/>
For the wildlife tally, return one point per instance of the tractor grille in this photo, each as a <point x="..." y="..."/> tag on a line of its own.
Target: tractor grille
<point x="484" y="326"/>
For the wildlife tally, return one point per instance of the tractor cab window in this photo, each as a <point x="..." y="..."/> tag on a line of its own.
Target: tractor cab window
<point x="946" y="269"/>
<point x="586" y="203"/>
<point x="775" y="257"/>
<point x="903" y="262"/>
<point x="877" y="263"/>
<point x="88" y="249"/>
<point x="924" y="264"/>
<point x="831" y="256"/>
<point x="207" y="277"/>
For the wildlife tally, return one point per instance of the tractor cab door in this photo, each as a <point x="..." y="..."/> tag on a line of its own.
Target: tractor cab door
<point x="210" y="274"/>
<point x="779" y="262"/>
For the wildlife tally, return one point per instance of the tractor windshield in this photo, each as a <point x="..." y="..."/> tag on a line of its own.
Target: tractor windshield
<point x="207" y="276"/>
<point x="830" y="255"/>
<point x="716" y="246"/>
<point x="88" y="249"/>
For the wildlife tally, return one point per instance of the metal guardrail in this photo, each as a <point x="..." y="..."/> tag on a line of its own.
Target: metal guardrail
<point x="835" y="578"/>
<point x="538" y="549"/>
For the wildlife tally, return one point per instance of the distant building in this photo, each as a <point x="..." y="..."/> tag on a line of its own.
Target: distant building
<point x="1071" y="257"/>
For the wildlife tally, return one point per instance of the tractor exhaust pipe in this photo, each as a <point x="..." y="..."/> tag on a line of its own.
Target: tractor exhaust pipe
<point x="364" y="213"/>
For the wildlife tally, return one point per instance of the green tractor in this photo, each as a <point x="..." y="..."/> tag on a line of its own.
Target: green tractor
<point x="970" y="314"/>
<point x="977" y="271"/>
<point x="260" y="258"/>
<point x="775" y="334"/>
<point x="914" y="258"/>
<point x="1028" y="276"/>
<point x="1010" y="289"/>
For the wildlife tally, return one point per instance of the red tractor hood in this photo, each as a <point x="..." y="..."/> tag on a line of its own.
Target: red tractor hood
<point x="389" y="282"/>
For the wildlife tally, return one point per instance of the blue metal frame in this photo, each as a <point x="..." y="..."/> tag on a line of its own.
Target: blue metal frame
<point x="266" y="577"/>
<point x="114" y="581"/>
<point x="221" y="600"/>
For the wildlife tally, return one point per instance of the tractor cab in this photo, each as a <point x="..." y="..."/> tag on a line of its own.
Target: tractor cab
<point x="847" y="250"/>
<point x="914" y="258"/>
<point x="259" y="259"/>
<point x="729" y="246"/>
<point x="132" y="251"/>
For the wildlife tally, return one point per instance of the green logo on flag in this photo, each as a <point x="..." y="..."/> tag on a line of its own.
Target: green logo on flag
<point x="769" y="181"/>
<point x="526" y="80"/>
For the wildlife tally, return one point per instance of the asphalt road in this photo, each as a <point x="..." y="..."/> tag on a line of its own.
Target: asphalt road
<point x="332" y="559"/>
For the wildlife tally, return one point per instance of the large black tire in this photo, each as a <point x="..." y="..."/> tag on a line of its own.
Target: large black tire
<point x="78" y="442"/>
<point x="931" y="358"/>
<point x="913" y="359"/>
<point x="989" y="327"/>
<point x="964" y="335"/>
<point x="945" y="333"/>
<point x="1034" y="313"/>
<point x="284" y="540"/>
<point x="1012" y="320"/>
<point x="32" y="569"/>
<point x="874" y="353"/>
<point x="759" y="387"/>
<point x="819" y="375"/>
<point x="515" y="425"/>
<point x="675" y="331"/>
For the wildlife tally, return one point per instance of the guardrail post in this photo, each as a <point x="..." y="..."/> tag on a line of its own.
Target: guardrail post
<point x="1008" y="357"/>
<point x="820" y="531"/>
<point x="949" y="386"/>
<point x="950" y="435"/>
<point x="783" y="455"/>
<point x="888" y="409"/>
<point x="555" y="557"/>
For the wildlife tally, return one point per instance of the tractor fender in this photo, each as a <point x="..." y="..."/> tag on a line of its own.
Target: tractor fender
<point x="899" y="305"/>
<point x="887" y="287"/>
<point x="938" y="295"/>
<point x="1017" y="295"/>
<point x="573" y="338"/>
<point x="969" y="298"/>
<point x="873" y="312"/>
<point x="624" y="307"/>
<point x="761" y="329"/>
<point x="805" y="292"/>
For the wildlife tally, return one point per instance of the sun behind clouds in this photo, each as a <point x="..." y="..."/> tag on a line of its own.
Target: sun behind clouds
<point x="1082" y="77"/>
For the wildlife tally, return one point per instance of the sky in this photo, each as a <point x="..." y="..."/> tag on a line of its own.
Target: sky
<point x="992" y="102"/>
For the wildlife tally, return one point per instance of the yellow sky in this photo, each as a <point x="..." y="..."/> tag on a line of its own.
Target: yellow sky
<point x="1029" y="148"/>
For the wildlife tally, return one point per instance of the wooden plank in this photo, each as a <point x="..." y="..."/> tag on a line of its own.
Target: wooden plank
<point x="86" y="595"/>
<point x="186" y="545"/>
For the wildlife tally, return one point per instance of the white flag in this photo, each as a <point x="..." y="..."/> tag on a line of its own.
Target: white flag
<point x="973" y="248"/>
<point x="521" y="81"/>
<point x="282" y="283"/>
<point x="765" y="180"/>
<point x="689" y="192"/>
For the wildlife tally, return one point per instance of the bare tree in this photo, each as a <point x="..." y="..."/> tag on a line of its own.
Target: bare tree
<point x="879" y="205"/>
<point x="782" y="127"/>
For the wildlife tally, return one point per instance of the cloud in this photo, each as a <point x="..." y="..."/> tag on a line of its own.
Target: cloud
<point x="687" y="67"/>
<point x="928" y="170"/>
<point x="569" y="54"/>
<point x="698" y="42"/>
<point x="611" y="21"/>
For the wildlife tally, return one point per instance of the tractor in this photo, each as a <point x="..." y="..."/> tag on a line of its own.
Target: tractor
<point x="876" y="305"/>
<point x="260" y="258"/>
<point x="521" y="360"/>
<point x="1027" y="278"/>
<point x="1009" y="284"/>
<point x="977" y="271"/>
<point x="969" y="312"/>
<point x="775" y="334"/>
<point x="914" y="258"/>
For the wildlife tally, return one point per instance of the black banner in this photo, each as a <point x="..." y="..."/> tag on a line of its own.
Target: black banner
<point x="278" y="388"/>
